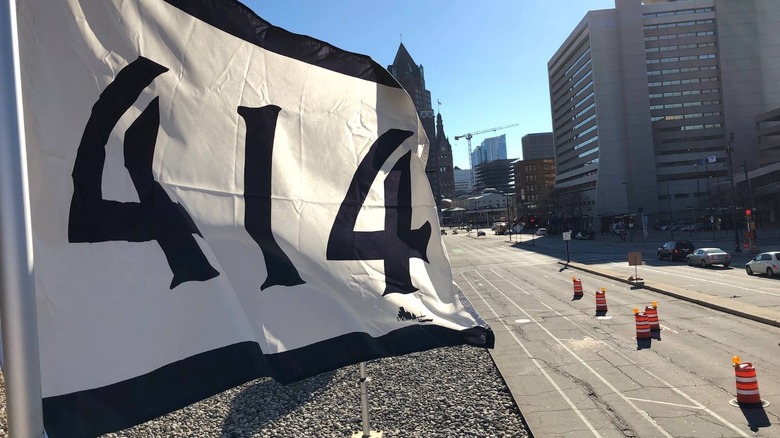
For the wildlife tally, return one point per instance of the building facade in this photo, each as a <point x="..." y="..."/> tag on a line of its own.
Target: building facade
<point x="538" y="146"/>
<point x="642" y="93"/>
<point x="463" y="184"/>
<point x="438" y="168"/>
<point x="491" y="149"/>
<point x="534" y="183"/>
<point x="496" y="174"/>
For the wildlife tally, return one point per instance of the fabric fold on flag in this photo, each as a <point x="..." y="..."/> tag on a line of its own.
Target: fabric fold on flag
<point x="215" y="199"/>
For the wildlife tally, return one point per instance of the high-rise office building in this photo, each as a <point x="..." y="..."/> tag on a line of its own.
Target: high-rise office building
<point x="642" y="94"/>
<point x="439" y="167"/>
<point x="491" y="149"/>
<point x="538" y="146"/>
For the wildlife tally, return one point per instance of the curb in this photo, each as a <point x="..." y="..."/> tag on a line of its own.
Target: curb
<point x="747" y="311"/>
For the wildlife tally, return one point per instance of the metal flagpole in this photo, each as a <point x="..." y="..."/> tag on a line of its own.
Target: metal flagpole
<point x="366" y="432"/>
<point x="17" y="290"/>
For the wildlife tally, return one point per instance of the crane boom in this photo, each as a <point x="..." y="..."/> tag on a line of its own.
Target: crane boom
<point x="468" y="137"/>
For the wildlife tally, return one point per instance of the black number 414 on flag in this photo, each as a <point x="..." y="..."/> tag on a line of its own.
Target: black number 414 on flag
<point x="156" y="217"/>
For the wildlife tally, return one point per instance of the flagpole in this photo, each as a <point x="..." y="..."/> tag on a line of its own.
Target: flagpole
<point x="21" y="366"/>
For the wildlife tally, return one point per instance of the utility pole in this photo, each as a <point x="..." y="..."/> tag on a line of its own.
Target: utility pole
<point x="729" y="150"/>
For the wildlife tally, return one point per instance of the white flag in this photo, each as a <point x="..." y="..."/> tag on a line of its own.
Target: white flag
<point x="215" y="199"/>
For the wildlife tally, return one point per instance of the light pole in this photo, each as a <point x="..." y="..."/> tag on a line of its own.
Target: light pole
<point x="729" y="149"/>
<point x="628" y="209"/>
<point x="508" y="215"/>
<point x="671" y="218"/>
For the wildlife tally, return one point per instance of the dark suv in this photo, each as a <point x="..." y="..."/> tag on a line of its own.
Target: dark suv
<point x="678" y="250"/>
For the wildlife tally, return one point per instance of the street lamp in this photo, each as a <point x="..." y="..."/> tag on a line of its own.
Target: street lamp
<point x="628" y="209"/>
<point x="508" y="215"/>
<point x="730" y="149"/>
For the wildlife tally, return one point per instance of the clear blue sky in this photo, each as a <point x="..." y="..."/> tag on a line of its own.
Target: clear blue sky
<point x="486" y="61"/>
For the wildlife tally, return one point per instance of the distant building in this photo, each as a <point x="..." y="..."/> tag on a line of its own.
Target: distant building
<point x="642" y="93"/>
<point x="463" y="181"/>
<point x="439" y="167"/>
<point x="496" y="174"/>
<point x="534" y="182"/>
<point x="490" y="149"/>
<point x="538" y="146"/>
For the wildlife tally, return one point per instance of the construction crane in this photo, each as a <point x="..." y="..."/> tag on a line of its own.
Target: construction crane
<point x="468" y="137"/>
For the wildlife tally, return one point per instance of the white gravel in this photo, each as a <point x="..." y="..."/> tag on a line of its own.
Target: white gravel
<point x="447" y="392"/>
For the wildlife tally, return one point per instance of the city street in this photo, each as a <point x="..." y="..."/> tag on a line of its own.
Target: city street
<point x="573" y="373"/>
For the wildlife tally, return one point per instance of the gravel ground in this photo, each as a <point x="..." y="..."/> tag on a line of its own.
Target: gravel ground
<point x="447" y="392"/>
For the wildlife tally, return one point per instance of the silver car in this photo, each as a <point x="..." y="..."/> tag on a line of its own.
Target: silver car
<point x="766" y="262"/>
<point x="709" y="256"/>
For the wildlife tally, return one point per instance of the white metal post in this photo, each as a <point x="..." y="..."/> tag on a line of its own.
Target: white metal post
<point x="21" y="364"/>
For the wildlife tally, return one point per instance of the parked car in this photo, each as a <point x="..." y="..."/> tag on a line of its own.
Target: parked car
<point x="675" y="250"/>
<point x="583" y="235"/>
<point x="765" y="263"/>
<point x="705" y="257"/>
<point x="541" y="232"/>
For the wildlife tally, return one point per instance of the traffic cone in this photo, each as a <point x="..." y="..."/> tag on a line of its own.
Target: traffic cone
<point x="747" y="383"/>
<point x="642" y="325"/>
<point x="577" y="287"/>
<point x="652" y="316"/>
<point x="601" y="301"/>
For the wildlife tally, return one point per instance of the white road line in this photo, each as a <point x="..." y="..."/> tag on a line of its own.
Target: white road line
<point x="667" y="328"/>
<point x="664" y="403"/>
<point x="582" y="362"/>
<point x="535" y="362"/>
<point x="628" y="359"/>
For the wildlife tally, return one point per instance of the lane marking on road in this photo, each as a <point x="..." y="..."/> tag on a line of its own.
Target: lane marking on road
<point x="664" y="403"/>
<point x="579" y="359"/>
<point x="536" y="362"/>
<point x="667" y="328"/>
<point x="628" y="359"/>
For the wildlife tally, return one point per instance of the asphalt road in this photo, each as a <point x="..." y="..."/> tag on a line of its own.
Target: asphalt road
<point x="576" y="374"/>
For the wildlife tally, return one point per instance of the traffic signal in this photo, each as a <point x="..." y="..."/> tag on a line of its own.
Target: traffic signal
<point x="748" y="212"/>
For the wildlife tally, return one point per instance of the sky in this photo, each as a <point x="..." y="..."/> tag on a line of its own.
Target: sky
<point x="486" y="61"/>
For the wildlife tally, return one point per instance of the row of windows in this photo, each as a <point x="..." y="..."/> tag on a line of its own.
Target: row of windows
<point x="669" y="71"/>
<point x="586" y="75"/>
<point x="586" y="142"/>
<point x="678" y="47"/>
<point x="680" y="82"/>
<point x="684" y="116"/>
<point x="588" y="152"/>
<point x="684" y="105"/>
<point x="687" y="141"/>
<point x="585" y="88"/>
<point x="679" y="24"/>
<point x="581" y="57"/>
<point x="691" y="127"/>
<point x="563" y="96"/>
<point x="584" y="99"/>
<point x="577" y="105"/>
<point x="589" y="163"/>
<point x="582" y="123"/>
<point x="673" y="36"/>
<point x="680" y="58"/>
<point x="684" y="93"/>
<point x="579" y="135"/>
<point x="532" y="177"/>
<point x="586" y="109"/>
<point x="680" y="12"/>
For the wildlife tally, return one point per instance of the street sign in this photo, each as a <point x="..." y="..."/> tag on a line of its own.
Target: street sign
<point x="635" y="258"/>
<point x="567" y="235"/>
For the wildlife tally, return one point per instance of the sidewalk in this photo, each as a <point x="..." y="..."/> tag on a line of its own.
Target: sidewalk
<point x="769" y="240"/>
